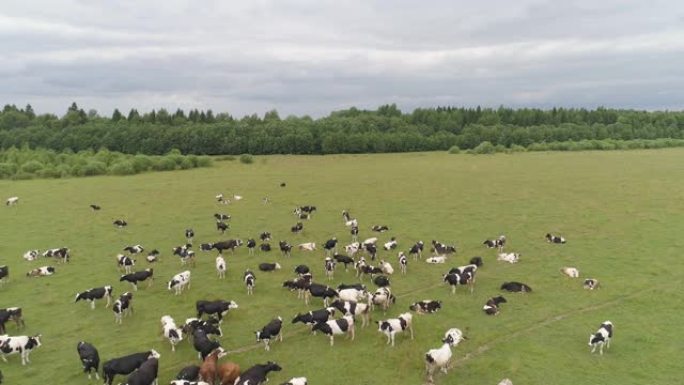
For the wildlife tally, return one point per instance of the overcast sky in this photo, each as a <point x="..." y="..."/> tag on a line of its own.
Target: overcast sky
<point x="314" y="56"/>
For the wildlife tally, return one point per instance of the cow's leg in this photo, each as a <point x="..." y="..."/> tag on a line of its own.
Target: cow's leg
<point x="92" y="304"/>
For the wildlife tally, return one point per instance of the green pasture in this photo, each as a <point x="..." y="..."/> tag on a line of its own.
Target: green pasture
<point x="621" y="212"/>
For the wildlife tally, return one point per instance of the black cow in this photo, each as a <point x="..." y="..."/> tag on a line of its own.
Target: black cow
<point x="123" y="306"/>
<point x="346" y="260"/>
<point x="189" y="373"/>
<point x="270" y="332"/>
<point x="285" y="248"/>
<point x="125" y="365"/>
<point x="220" y="308"/>
<point x="269" y="266"/>
<point x="4" y="273"/>
<point x="230" y="244"/>
<point x="308" y="209"/>
<point x="379" y="228"/>
<point x="206" y="246"/>
<point x="417" y="250"/>
<point x="321" y="291"/>
<point x="492" y="305"/>
<point x="138" y="276"/>
<point x="11" y="314"/>
<point x="371" y="249"/>
<point x="120" y="223"/>
<point x="354" y="233"/>
<point x="302" y="269"/>
<point x="265" y="236"/>
<point x="222" y="226"/>
<point x="94" y="294"/>
<point x="250" y="281"/>
<point x="330" y="245"/>
<point x="426" y="306"/>
<point x="477" y="261"/>
<point x="257" y="374"/>
<point x="251" y="244"/>
<point x="516" y="287"/>
<point x="554" y="238"/>
<point x="314" y="317"/>
<point x="381" y="281"/>
<point x="210" y="326"/>
<point x="202" y="344"/>
<point x="90" y="358"/>
<point x="265" y="247"/>
<point x="95" y="207"/>
<point x="297" y="228"/>
<point x="146" y="373"/>
<point x="189" y="235"/>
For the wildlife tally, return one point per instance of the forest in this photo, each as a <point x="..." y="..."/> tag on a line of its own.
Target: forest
<point x="386" y="129"/>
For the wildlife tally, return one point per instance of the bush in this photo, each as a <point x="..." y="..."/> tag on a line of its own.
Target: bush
<point x="204" y="161"/>
<point x="454" y="150"/>
<point x="49" y="172"/>
<point x="225" y="157"/>
<point x="21" y="175"/>
<point x="246" y="159"/>
<point x="186" y="164"/>
<point x="94" y="167"/>
<point x="7" y="170"/>
<point x="484" y="148"/>
<point x="517" y="148"/>
<point x="124" y="167"/>
<point x="142" y="163"/>
<point x="31" y="167"/>
<point x="165" y="163"/>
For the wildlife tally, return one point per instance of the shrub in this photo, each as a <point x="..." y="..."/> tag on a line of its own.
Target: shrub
<point x="454" y="150"/>
<point x="186" y="164"/>
<point x="31" y="167"/>
<point x="22" y="175"/>
<point x="94" y="167"/>
<point x="7" y="170"/>
<point x="165" y="163"/>
<point x="142" y="163"/>
<point x="246" y="159"/>
<point x="225" y="157"/>
<point x="124" y="167"/>
<point x="484" y="148"/>
<point x="517" y="148"/>
<point x="204" y="161"/>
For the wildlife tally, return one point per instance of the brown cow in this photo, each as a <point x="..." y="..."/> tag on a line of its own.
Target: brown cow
<point x="228" y="372"/>
<point x="208" y="369"/>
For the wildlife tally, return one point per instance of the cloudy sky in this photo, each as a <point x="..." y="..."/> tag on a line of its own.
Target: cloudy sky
<point x="314" y="56"/>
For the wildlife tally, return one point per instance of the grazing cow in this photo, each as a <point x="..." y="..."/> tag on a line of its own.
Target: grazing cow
<point x="391" y="245"/>
<point x="381" y="281"/>
<point x="11" y="314"/>
<point x="353" y="309"/>
<point x="95" y="207"/>
<point x="265" y="247"/>
<point x="436" y="259"/>
<point x="307" y="209"/>
<point x="330" y="245"/>
<point x="440" y="249"/>
<point x="18" y="344"/>
<point x="477" y="261"/>
<point x="152" y="256"/>
<point x="364" y="268"/>
<point x="269" y="266"/>
<point x="591" y="283"/>
<point x="120" y="223"/>
<point x="173" y="333"/>
<point x="41" y="271"/>
<point x="439" y="358"/>
<point x="382" y="297"/>
<point x="508" y="257"/>
<point x="329" y="267"/>
<point x="386" y="267"/>
<point x="352" y="294"/>
<point x="125" y="262"/>
<point x="354" y="231"/>
<point x="209" y="327"/>
<point x="371" y="249"/>
<point x="219" y="308"/>
<point x="11" y="201"/>
<point x="146" y="373"/>
<point x="300" y="284"/>
<point x="339" y="258"/>
<point x="602" y="337"/>
<point x="285" y="248"/>
<point x="221" y="217"/>
<point x="209" y="367"/>
<point x="393" y="326"/>
<point x="344" y="325"/>
<point x="265" y="236"/>
<point x="498" y="243"/>
<point x="230" y="244"/>
<point x="379" y="228"/>
<point x="179" y="282"/>
<point x="270" y="332"/>
<point x="123" y="306"/>
<point x="296" y="381"/>
<point x="135" y="249"/>
<point x="250" y="281"/>
<point x="61" y="254"/>
<point x="464" y="269"/>
<point x="297" y="228"/>
<point x="125" y="365"/>
<point x="302" y="269"/>
<point x="492" y="305"/>
<point x="94" y="294"/>
<point x="188" y="373"/>
<point x="309" y="246"/>
<point x="4" y="273"/>
<point x="90" y="358"/>
<point x="403" y="262"/>
<point x="257" y="374"/>
<point x="516" y="287"/>
<point x="221" y="267"/>
<point x="316" y="316"/>
<point x="222" y="226"/>
<point x="321" y="291"/>
<point x="138" y="276"/>
<point x="186" y="254"/>
<point x="426" y="306"/>
<point x="203" y="345"/>
<point x="570" y="272"/>
<point x="189" y="235"/>
<point x="460" y="278"/>
<point x="31" y="255"/>
<point x="417" y="250"/>
<point x="554" y="239"/>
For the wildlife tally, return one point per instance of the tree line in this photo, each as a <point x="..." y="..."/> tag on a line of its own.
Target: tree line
<point x="386" y="129"/>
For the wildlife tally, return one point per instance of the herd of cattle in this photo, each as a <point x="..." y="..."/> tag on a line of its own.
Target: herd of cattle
<point x="352" y="301"/>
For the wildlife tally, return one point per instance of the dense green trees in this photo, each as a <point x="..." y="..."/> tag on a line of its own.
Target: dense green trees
<point x="386" y="129"/>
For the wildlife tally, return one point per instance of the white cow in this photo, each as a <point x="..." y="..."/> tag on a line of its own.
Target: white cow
<point x="11" y="201"/>
<point x="179" y="282"/>
<point x="221" y="267"/>
<point x="570" y="272"/>
<point x="18" y="344"/>
<point x="171" y="331"/>
<point x="508" y="257"/>
<point x="439" y="358"/>
<point x="436" y="259"/>
<point x="310" y="246"/>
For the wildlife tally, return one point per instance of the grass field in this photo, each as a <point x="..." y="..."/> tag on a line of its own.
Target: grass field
<point x="621" y="213"/>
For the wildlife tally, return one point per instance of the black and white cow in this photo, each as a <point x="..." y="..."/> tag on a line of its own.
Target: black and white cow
<point x="206" y="246"/>
<point x="11" y="314"/>
<point x="152" y="256"/>
<point x="221" y="267"/>
<point x="391" y="244"/>
<point x="188" y="373"/>
<point x="382" y="297"/>
<point x="219" y="308"/>
<point x="269" y="266"/>
<point x="138" y="276"/>
<point x="265" y="247"/>
<point x="354" y="294"/>
<point x="126" y="364"/>
<point x="477" y="261"/>
<point x="354" y="309"/>
<point x="95" y="207"/>
<point x="257" y="374"/>
<point x="492" y="305"/>
<point x="120" y="223"/>
<point x="297" y="228"/>
<point x="31" y="255"/>
<point x="330" y="245"/>
<point x="135" y="249"/>
<point x="381" y="281"/>
<point x="456" y="278"/>
<point x="251" y="245"/>
<point x="344" y="259"/>
<point x="403" y="262"/>
<point x="320" y="291"/>
<point x="516" y="287"/>
<point x="230" y="244"/>
<point x="221" y="217"/>
<point x="379" y="228"/>
<point x="440" y="358"/>
<point x="554" y="238"/>
<point x="392" y="326"/>
<point x="441" y="249"/>
<point x="602" y="337"/>
<point x="498" y="243"/>
<point x="96" y="293"/>
<point x="22" y="345"/>
<point x="43" y="271"/>
<point x="4" y="273"/>
<point x="354" y="231"/>
<point x="172" y="332"/>
<point x="329" y="267"/>
<point x="146" y="373"/>
<point x="265" y="236"/>
<point x="344" y="325"/>
<point x="123" y="306"/>
<point x="250" y="281"/>
<point x="313" y="317"/>
<point x="90" y="358"/>
<point x="60" y="253"/>
<point x="185" y="253"/>
<point x="296" y="381"/>
<point x="417" y="250"/>
<point x="11" y="201"/>
<point x="591" y="283"/>
<point x="222" y="226"/>
<point x="210" y="327"/>
<point x="302" y="269"/>
<point x="270" y="332"/>
<point x="285" y="248"/>
<point x="125" y="263"/>
<point x="428" y="306"/>
<point x="189" y="235"/>
<point x="203" y="345"/>
<point x="179" y="282"/>
<point x="372" y="250"/>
